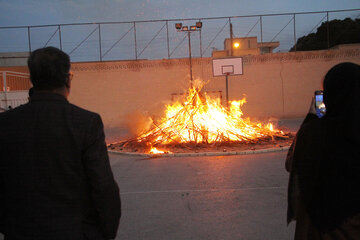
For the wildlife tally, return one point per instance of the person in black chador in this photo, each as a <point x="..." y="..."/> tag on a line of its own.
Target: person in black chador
<point x="324" y="163"/>
<point x="55" y="178"/>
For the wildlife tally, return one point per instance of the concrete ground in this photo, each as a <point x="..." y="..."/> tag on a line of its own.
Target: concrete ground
<point x="232" y="197"/>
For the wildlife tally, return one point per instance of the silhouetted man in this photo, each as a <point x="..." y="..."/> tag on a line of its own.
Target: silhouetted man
<point x="55" y="177"/>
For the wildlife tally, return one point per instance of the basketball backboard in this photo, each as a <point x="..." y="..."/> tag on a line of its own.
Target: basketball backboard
<point x="227" y="66"/>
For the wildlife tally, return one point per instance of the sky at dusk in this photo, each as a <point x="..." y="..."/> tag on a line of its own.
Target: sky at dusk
<point x="156" y="40"/>
<point x="42" y="12"/>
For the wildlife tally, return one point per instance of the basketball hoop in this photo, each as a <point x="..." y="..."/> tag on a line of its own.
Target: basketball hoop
<point x="227" y="67"/>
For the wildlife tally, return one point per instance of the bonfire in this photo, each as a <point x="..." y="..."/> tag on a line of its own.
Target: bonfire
<point x="202" y="120"/>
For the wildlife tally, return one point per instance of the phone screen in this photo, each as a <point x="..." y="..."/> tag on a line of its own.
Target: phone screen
<point x="319" y="104"/>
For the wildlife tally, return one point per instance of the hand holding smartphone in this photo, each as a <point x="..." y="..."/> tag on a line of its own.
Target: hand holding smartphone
<point x="319" y="104"/>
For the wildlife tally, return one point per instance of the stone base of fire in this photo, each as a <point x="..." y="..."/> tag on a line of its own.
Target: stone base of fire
<point x="132" y="146"/>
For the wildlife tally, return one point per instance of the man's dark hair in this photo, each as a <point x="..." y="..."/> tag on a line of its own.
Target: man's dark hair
<point x="49" y="68"/>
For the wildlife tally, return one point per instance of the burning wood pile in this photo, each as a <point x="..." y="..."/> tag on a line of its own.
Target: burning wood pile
<point x="201" y="121"/>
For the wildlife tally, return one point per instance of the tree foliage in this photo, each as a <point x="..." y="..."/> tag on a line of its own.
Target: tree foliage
<point x="340" y="32"/>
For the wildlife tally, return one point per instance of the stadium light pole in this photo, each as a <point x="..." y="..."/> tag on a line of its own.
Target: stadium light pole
<point x="180" y="28"/>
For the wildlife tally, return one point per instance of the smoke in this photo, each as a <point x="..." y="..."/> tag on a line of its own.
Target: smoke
<point x="138" y="122"/>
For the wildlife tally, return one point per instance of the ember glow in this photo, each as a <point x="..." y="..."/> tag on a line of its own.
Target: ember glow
<point x="154" y="150"/>
<point x="201" y="119"/>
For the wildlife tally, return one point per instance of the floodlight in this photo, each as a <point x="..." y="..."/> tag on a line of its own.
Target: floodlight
<point x="185" y="28"/>
<point x="199" y="24"/>
<point x="178" y="26"/>
<point x="236" y="45"/>
<point x="192" y="28"/>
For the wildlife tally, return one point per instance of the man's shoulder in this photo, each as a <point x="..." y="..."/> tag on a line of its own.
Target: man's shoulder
<point x="29" y="109"/>
<point x="82" y="111"/>
<point x="13" y="112"/>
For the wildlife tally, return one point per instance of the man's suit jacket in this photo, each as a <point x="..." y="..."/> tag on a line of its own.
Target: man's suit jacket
<point x="55" y="177"/>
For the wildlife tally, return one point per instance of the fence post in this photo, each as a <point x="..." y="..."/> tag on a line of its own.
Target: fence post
<point x="5" y="90"/>
<point x="167" y="38"/>
<point x="200" y="44"/>
<point x="294" y="34"/>
<point x="231" y="37"/>
<point x="29" y="39"/>
<point x="100" y="44"/>
<point x="60" y="37"/>
<point x="261" y="31"/>
<point x="328" y="33"/>
<point x="135" y="40"/>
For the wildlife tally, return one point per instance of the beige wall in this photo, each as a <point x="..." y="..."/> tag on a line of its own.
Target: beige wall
<point x="276" y="85"/>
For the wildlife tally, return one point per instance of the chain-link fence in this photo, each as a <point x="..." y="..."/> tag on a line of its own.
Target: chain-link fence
<point x="158" y="39"/>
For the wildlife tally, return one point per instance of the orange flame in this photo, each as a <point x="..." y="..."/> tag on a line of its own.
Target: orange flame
<point x="154" y="150"/>
<point x="201" y="119"/>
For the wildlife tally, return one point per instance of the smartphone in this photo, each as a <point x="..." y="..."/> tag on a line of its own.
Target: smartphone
<point x="319" y="104"/>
